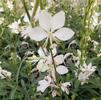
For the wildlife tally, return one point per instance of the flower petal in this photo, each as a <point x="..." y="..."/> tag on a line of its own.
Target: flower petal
<point x="45" y="20"/>
<point x="64" y="34"/>
<point x="58" y="20"/>
<point x="36" y="33"/>
<point x="59" y="59"/>
<point x="42" y="52"/>
<point x="62" y="69"/>
<point x="41" y="66"/>
<point x="43" y="84"/>
<point x="64" y="87"/>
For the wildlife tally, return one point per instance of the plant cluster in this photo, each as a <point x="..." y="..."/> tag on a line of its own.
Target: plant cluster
<point x="50" y="50"/>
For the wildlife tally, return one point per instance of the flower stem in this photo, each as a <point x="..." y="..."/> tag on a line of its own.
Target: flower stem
<point x="86" y="29"/>
<point x="28" y="15"/>
<point x="53" y="64"/>
<point x="35" y="8"/>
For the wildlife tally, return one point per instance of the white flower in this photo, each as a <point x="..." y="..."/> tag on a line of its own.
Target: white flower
<point x="15" y="26"/>
<point x="45" y="83"/>
<point x="51" y="27"/>
<point x="4" y="73"/>
<point x="46" y="63"/>
<point x="86" y="72"/>
<point x="64" y="87"/>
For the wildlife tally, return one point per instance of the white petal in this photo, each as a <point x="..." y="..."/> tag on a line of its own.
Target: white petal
<point x="36" y="33"/>
<point x="45" y="20"/>
<point x="43" y="84"/>
<point x="64" y="34"/>
<point x="41" y="66"/>
<point x="64" y="87"/>
<point x="59" y="59"/>
<point x="58" y="20"/>
<point x="62" y="69"/>
<point x="42" y="52"/>
<point x="48" y="60"/>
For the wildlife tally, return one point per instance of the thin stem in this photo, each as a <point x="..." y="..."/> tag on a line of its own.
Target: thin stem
<point x="53" y="63"/>
<point x="35" y="8"/>
<point x="86" y="29"/>
<point x="17" y="75"/>
<point x="28" y="15"/>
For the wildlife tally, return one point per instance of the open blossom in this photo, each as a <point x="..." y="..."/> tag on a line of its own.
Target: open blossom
<point x="46" y="63"/>
<point x="49" y="82"/>
<point x="86" y="72"/>
<point x="51" y="27"/>
<point x="15" y="26"/>
<point x="4" y="73"/>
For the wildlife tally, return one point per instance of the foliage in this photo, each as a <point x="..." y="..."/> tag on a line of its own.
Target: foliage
<point x="17" y="50"/>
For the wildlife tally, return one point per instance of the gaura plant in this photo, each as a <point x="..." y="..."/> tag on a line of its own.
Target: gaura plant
<point x="50" y="28"/>
<point x="38" y="58"/>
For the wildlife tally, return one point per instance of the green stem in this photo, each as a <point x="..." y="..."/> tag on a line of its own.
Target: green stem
<point x="35" y="8"/>
<point x="28" y="15"/>
<point x="17" y="76"/>
<point x="53" y="63"/>
<point x="86" y="29"/>
<point x="18" y="72"/>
